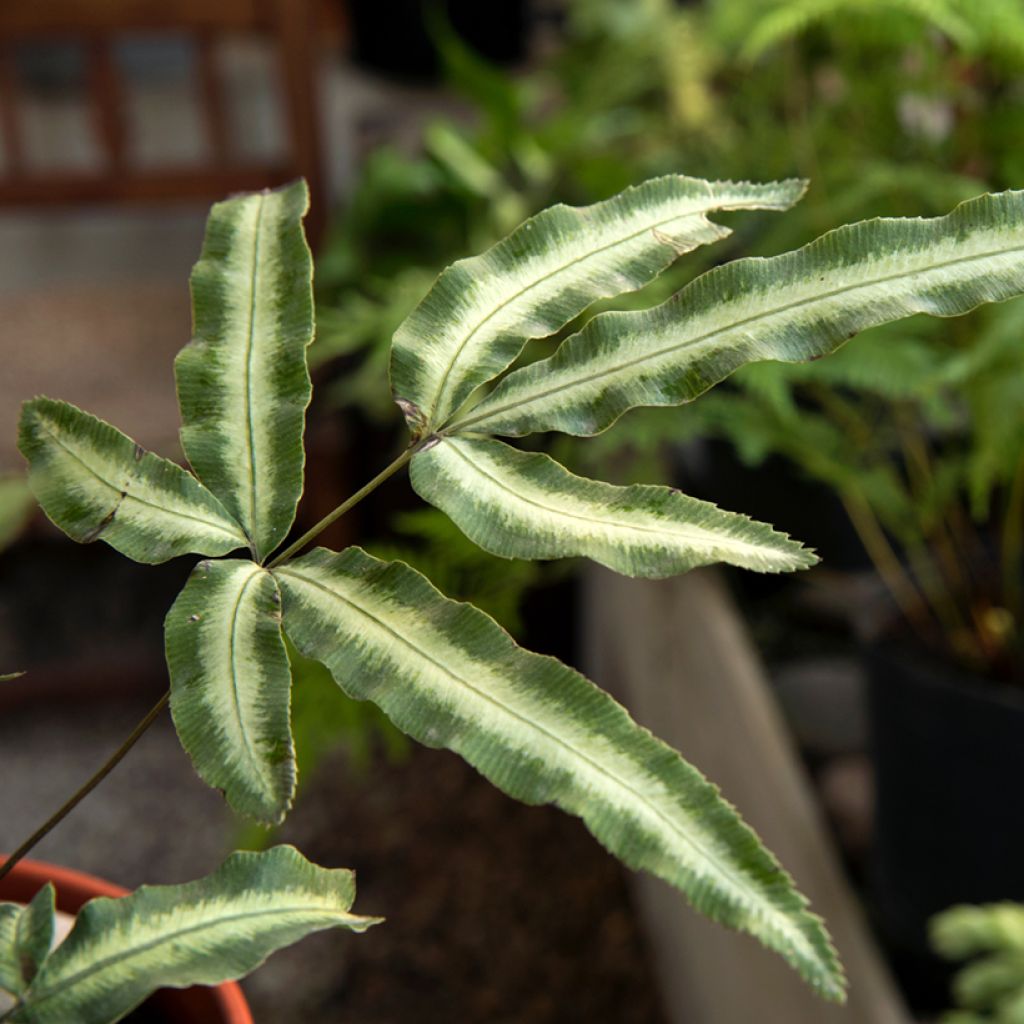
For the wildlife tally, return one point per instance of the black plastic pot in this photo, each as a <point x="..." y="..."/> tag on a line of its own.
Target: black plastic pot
<point x="948" y="752"/>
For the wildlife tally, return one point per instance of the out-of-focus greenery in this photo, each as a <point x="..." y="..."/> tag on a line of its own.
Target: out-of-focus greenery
<point x="15" y="504"/>
<point x="991" y="987"/>
<point x="431" y="543"/>
<point x="887" y="106"/>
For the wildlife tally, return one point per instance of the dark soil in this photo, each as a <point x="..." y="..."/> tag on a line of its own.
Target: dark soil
<point x="497" y="912"/>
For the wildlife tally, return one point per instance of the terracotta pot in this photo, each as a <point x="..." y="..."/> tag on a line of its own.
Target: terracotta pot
<point x="224" y="1004"/>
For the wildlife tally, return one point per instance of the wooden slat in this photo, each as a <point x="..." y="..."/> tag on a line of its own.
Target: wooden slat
<point x="677" y="653"/>
<point x="200" y="184"/>
<point x="9" y="119"/>
<point x="107" y="103"/>
<point x="290" y="23"/>
<point x="49" y="17"/>
<point x="299" y="69"/>
<point x="211" y="92"/>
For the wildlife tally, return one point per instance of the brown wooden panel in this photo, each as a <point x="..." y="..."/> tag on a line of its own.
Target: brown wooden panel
<point x="107" y="104"/>
<point x="680" y="657"/>
<point x="298" y="55"/>
<point x="9" y="120"/>
<point x="296" y="27"/>
<point x="47" y="17"/>
<point x="200" y="184"/>
<point x="212" y="93"/>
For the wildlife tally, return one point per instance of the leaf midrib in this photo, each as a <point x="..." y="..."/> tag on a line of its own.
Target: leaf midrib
<point x="446" y="376"/>
<point x="30" y="999"/>
<point x="239" y="717"/>
<point x="486" y="414"/>
<point x="671" y="527"/>
<point x="250" y="356"/>
<point x="757" y="899"/>
<point x="129" y="496"/>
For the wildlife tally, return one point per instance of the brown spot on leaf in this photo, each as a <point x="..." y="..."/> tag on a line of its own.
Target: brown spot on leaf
<point x="95" y="532"/>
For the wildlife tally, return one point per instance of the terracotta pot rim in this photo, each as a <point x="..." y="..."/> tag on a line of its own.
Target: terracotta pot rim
<point x="75" y="888"/>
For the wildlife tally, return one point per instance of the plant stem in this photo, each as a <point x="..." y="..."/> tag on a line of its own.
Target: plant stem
<point x="942" y="584"/>
<point x="905" y="594"/>
<point x="111" y="763"/>
<point x="1012" y="555"/>
<point x="349" y="503"/>
<point x="151" y="717"/>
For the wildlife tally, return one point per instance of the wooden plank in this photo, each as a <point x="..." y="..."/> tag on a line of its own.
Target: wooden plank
<point x="9" y="119"/>
<point x="107" y="104"/>
<point x="74" y="16"/>
<point x="204" y="184"/>
<point x="300" y="66"/>
<point x="678" y="655"/>
<point x="211" y="91"/>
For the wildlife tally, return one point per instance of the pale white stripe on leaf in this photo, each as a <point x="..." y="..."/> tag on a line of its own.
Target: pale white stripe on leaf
<point x="96" y="483"/>
<point x="480" y="312"/>
<point x="26" y="935"/>
<point x="243" y="382"/>
<point x="792" y="308"/>
<point x="449" y="676"/>
<point x="525" y="505"/>
<point x="231" y="685"/>
<point x="173" y="936"/>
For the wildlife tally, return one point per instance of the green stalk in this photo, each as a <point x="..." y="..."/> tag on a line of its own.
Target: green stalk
<point x="137" y="733"/>
<point x="1012" y="554"/>
<point x="872" y="536"/>
<point x="345" y="506"/>
<point x="108" y="766"/>
<point x="938" y="577"/>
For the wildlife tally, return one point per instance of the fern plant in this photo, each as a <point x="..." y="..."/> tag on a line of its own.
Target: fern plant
<point x="444" y="672"/>
<point x="991" y="987"/>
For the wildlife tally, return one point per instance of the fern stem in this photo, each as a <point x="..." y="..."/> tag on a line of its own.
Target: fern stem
<point x="109" y="765"/>
<point x="1012" y="554"/>
<point x="137" y="733"/>
<point x="900" y="586"/>
<point x="939" y="578"/>
<point x="345" y="506"/>
<point x="932" y="584"/>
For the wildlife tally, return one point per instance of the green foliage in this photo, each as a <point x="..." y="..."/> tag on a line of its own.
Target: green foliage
<point x="243" y="383"/>
<point x="864" y="274"/>
<point x="428" y="541"/>
<point x="93" y="481"/>
<point x="991" y="987"/>
<point x="449" y="676"/>
<point x="321" y="714"/>
<point x="891" y="106"/>
<point x="231" y="685"/>
<point x="552" y="268"/>
<point x="26" y="935"/>
<point x="995" y="27"/>
<point x="15" y="504"/>
<point x="444" y="672"/>
<point x="783" y="20"/>
<point x="525" y="505"/>
<point x="172" y="936"/>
